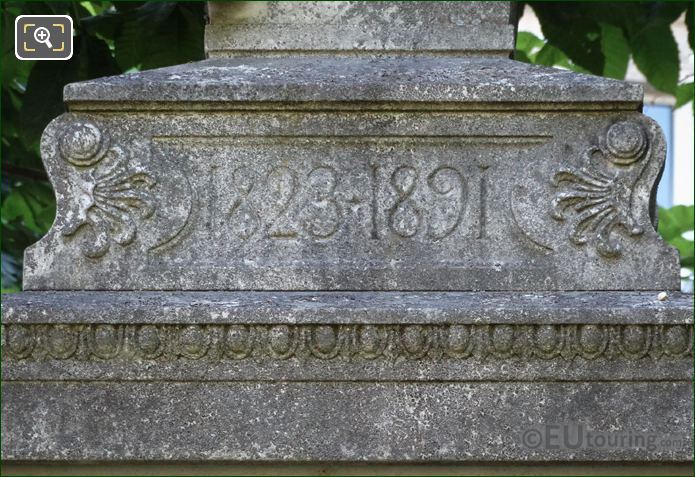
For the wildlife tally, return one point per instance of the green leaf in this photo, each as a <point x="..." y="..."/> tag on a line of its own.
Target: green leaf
<point x="95" y="8"/>
<point x="124" y="6"/>
<point x="684" y="94"/>
<point x="567" y="26"/>
<point x="673" y="224"/>
<point x="666" y="12"/>
<point x="105" y="24"/>
<point x="676" y="220"/>
<point x="520" y="55"/>
<point x="59" y="8"/>
<point x="100" y="61"/>
<point x="616" y="50"/>
<point x="550" y="56"/>
<point x="32" y="204"/>
<point x="656" y="55"/>
<point x="16" y="206"/>
<point x="528" y="42"/>
<point x="686" y="250"/>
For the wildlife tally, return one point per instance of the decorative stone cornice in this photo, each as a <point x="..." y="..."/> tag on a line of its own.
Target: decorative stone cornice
<point x="166" y="343"/>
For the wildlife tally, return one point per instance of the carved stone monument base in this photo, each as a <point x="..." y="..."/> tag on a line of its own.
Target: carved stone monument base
<point x="323" y="376"/>
<point x="359" y="232"/>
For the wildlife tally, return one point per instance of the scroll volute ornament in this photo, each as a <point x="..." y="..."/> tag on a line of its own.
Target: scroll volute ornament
<point x="597" y="196"/>
<point x="113" y="196"/>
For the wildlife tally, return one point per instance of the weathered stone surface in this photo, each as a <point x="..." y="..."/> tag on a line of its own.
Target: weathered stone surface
<point x="341" y="421"/>
<point x="372" y="181"/>
<point x="610" y="308"/>
<point x="429" y="82"/>
<point x="374" y="200"/>
<point x="203" y="468"/>
<point x="387" y="376"/>
<point x="318" y="173"/>
<point x="331" y="336"/>
<point x="451" y="28"/>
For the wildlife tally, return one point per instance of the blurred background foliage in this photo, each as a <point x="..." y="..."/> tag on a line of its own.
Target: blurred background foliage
<point x="116" y="37"/>
<point x="110" y="38"/>
<point x="600" y="38"/>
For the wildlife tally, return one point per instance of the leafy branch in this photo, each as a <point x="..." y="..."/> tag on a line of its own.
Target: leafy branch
<point x="601" y="37"/>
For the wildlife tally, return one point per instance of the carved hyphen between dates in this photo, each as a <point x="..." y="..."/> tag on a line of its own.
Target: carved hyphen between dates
<point x="404" y="201"/>
<point x="115" y="195"/>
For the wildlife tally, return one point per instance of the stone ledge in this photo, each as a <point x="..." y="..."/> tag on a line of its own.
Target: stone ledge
<point x="393" y="307"/>
<point x="234" y="468"/>
<point x="338" y="336"/>
<point x="338" y="80"/>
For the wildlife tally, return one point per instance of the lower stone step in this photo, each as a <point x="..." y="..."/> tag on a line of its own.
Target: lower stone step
<point x="347" y="376"/>
<point x="347" y="421"/>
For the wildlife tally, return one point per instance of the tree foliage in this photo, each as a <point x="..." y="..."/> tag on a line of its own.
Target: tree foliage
<point x="676" y="226"/>
<point x="110" y="38"/>
<point x="601" y="37"/>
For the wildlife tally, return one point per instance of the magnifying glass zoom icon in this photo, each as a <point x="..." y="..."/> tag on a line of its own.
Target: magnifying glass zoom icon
<point x="42" y="35"/>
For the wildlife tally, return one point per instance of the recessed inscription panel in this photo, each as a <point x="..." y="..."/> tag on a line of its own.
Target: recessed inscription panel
<point x="349" y="201"/>
<point x="316" y="201"/>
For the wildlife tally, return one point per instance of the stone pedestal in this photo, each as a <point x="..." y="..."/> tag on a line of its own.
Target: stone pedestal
<point x="357" y="233"/>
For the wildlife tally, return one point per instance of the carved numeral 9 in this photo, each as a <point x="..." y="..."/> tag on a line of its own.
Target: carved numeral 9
<point x="405" y="217"/>
<point x="447" y="182"/>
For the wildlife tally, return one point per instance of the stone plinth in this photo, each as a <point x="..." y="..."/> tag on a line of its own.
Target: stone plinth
<point x="335" y="376"/>
<point x="359" y="28"/>
<point x="353" y="174"/>
<point x="341" y="239"/>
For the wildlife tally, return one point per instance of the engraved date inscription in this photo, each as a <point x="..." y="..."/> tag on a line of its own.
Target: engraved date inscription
<point x="317" y="202"/>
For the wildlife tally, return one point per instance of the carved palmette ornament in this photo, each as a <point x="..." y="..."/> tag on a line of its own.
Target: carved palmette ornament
<point x="114" y="194"/>
<point x="597" y="195"/>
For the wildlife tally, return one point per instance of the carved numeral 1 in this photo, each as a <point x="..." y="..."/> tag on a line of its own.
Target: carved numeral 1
<point x="482" y="211"/>
<point x="374" y="170"/>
